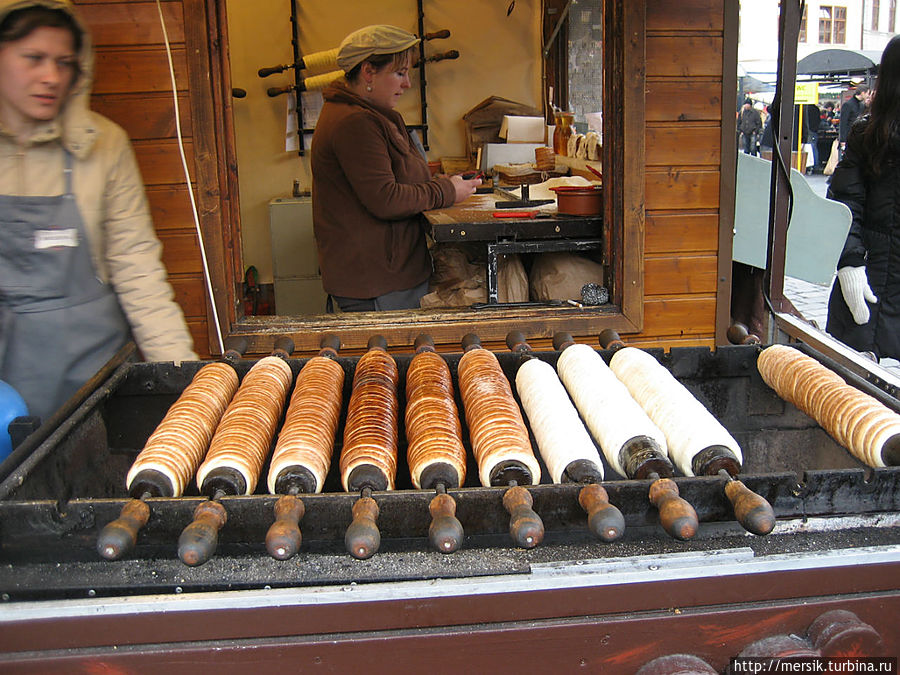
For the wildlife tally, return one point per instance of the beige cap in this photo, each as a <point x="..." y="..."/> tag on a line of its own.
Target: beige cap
<point x="378" y="39"/>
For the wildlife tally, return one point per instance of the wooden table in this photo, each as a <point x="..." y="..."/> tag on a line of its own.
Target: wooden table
<point x="547" y="231"/>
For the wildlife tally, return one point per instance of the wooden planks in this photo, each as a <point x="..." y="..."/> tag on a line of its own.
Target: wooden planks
<point x="133" y="87"/>
<point x="684" y="62"/>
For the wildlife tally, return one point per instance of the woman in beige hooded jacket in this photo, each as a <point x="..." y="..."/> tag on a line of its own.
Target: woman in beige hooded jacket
<point x="80" y="268"/>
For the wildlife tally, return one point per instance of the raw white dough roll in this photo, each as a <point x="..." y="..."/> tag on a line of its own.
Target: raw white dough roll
<point x="178" y="445"/>
<point x="688" y="426"/>
<point x="245" y="433"/>
<point x="310" y="424"/>
<point x="606" y="405"/>
<point x="495" y="423"/>
<point x="560" y="434"/>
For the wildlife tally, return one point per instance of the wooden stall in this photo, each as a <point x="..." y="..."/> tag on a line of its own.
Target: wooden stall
<point x="823" y="582"/>
<point x="668" y="178"/>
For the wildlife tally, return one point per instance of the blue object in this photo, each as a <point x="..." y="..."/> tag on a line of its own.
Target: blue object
<point x="11" y="406"/>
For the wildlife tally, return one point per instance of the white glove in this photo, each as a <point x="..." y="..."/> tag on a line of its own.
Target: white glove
<point x="856" y="291"/>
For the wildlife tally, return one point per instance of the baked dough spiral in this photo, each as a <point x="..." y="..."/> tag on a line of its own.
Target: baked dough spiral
<point x="244" y="436"/>
<point x="496" y="427"/>
<point x="180" y="441"/>
<point x="310" y="424"/>
<point x="433" y="431"/>
<point x="370" y="434"/>
<point x="857" y="421"/>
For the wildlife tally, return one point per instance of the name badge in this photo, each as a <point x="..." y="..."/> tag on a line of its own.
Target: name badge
<point x="54" y="238"/>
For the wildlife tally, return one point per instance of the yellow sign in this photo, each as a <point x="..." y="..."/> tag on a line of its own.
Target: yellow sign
<point x="806" y="92"/>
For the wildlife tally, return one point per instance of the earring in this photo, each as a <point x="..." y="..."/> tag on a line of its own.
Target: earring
<point x="368" y="87"/>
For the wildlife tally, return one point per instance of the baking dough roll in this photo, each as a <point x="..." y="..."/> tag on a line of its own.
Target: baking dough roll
<point x="433" y="431"/>
<point x="558" y="430"/>
<point x="857" y="421"/>
<point x="496" y="427"/>
<point x="370" y="434"/>
<point x="244" y="436"/>
<point x="606" y="405"/>
<point x="311" y="421"/>
<point x="180" y="441"/>
<point x="688" y="426"/>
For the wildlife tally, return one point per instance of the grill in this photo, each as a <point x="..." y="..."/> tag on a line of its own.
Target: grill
<point x="54" y="504"/>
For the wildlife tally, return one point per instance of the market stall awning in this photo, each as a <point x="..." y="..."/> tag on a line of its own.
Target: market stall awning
<point x="839" y="62"/>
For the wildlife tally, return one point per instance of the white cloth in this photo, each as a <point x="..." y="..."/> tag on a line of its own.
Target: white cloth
<point x="856" y="291"/>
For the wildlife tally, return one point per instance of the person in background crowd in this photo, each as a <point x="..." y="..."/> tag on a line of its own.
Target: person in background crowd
<point x="852" y="108"/>
<point x="370" y="181"/>
<point x="749" y="126"/>
<point x="811" y="122"/>
<point x="864" y="306"/>
<point x="826" y="118"/>
<point x="80" y="268"/>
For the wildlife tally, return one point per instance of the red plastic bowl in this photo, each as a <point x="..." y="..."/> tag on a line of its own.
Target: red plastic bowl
<point x="579" y="200"/>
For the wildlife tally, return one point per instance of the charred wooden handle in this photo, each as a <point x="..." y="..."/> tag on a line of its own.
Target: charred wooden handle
<point x="284" y="537"/>
<point x="604" y="519"/>
<point x="437" y="35"/>
<point x="677" y="517"/>
<point x="525" y="526"/>
<point x="362" y="538"/>
<point x="445" y="532"/>
<point x="752" y="511"/>
<point x="198" y="541"/>
<point x="265" y="72"/>
<point x="120" y="536"/>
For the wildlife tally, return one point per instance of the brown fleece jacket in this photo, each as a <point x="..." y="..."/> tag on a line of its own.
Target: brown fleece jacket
<point x="370" y="186"/>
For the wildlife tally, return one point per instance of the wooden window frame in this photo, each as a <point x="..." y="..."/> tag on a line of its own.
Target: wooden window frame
<point x="825" y="25"/>
<point x="839" y="25"/>
<point x="216" y="178"/>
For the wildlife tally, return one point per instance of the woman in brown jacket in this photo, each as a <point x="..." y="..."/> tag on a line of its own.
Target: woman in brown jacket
<point x="370" y="181"/>
<point x="80" y="270"/>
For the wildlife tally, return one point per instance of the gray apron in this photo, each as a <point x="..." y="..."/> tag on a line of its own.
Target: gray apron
<point x="59" y="324"/>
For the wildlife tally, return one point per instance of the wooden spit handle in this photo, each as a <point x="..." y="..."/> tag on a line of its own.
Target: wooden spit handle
<point x="284" y="537"/>
<point x="609" y="339"/>
<point x="678" y="517"/>
<point x="752" y="511"/>
<point x="362" y="538"/>
<point x="525" y="526"/>
<point x="437" y="35"/>
<point x="445" y="532"/>
<point x="604" y="519"/>
<point x="198" y="541"/>
<point x="739" y="334"/>
<point x="120" y="536"/>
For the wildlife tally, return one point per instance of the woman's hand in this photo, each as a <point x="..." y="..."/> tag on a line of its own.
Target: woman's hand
<point x="464" y="188"/>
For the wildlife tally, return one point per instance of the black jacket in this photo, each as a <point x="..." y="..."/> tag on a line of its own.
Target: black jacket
<point x="750" y="122"/>
<point x="849" y="112"/>
<point x="873" y="242"/>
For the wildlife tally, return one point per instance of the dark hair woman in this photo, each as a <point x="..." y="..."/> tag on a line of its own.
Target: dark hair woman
<point x="864" y="308"/>
<point x="80" y="269"/>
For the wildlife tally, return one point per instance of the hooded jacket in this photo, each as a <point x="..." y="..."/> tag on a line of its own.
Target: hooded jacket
<point x="370" y="187"/>
<point x="873" y="242"/>
<point x="110" y="195"/>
